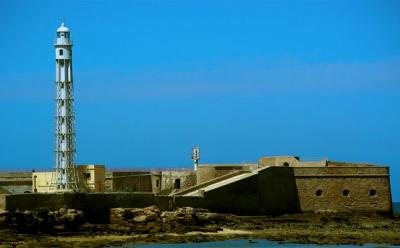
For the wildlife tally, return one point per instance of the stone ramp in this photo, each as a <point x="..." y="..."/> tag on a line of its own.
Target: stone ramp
<point x="200" y="189"/>
<point x="210" y="182"/>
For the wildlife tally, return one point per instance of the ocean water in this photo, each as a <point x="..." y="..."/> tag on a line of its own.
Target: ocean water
<point x="250" y="243"/>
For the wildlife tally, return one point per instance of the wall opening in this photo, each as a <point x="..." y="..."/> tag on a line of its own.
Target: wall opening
<point x="177" y="184"/>
<point x="318" y="193"/>
<point x="86" y="175"/>
<point x="286" y="164"/>
<point x="346" y="192"/>
<point x="157" y="183"/>
<point x="61" y="52"/>
<point x="372" y="192"/>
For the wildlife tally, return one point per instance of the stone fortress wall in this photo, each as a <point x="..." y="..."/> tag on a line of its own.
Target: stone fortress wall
<point x="131" y="181"/>
<point x="343" y="188"/>
<point x="15" y="182"/>
<point x="151" y="181"/>
<point x="177" y="179"/>
<point x="337" y="186"/>
<point x="207" y="172"/>
<point x="281" y="184"/>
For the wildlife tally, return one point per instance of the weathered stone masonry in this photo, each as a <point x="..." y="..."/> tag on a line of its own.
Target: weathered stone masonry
<point x="344" y="189"/>
<point x="274" y="186"/>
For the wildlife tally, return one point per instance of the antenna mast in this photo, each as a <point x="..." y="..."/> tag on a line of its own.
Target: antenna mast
<point x="196" y="157"/>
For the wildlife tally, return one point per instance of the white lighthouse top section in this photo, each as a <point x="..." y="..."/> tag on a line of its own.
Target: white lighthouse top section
<point x="62" y="28"/>
<point x="63" y="36"/>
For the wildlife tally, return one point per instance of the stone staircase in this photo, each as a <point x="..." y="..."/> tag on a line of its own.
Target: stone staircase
<point x="210" y="182"/>
<point x="223" y="180"/>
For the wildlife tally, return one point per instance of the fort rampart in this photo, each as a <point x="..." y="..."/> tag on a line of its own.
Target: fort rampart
<point x="343" y="188"/>
<point x="273" y="190"/>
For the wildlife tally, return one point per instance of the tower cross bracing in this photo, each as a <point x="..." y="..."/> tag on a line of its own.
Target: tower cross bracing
<point x="64" y="177"/>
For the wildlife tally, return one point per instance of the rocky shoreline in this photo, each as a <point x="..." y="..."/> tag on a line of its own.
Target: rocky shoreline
<point x="70" y="228"/>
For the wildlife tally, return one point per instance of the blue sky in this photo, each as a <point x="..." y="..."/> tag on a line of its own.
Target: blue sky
<point x="240" y="79"/>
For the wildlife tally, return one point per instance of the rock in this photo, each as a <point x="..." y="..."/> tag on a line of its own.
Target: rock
<point x="43" y="220"/>
<point x="208" y="217"/>
<point x="124" y="215"/>
<point x="62" y="210"/>
<point x="140" y="218"/>
<point x="168" y="216"/>
<point x="151" y="209"/>
<point x="152" y="213"/>
<point x="367" y="226"/>
<point x="135" y="211"/>
<point x="122" y="220"/>
<point x="185" y="211"/>
<point x="134" y="215"/>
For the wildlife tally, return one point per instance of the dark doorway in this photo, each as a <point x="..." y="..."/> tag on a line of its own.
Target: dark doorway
<point x="177" y="184"/>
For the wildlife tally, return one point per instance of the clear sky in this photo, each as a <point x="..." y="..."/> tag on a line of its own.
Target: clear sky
<point x="240" y="79"/>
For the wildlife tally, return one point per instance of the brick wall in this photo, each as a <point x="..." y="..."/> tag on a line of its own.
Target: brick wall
<point x="132" y="182"/>
<point x="343" y="189"/>
<point x="156" y="183"/>
<point x="273" y="190"/>
<point x="169" y="178"/>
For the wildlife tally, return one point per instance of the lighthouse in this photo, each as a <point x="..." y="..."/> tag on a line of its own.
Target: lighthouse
<point x="64" y="177"/>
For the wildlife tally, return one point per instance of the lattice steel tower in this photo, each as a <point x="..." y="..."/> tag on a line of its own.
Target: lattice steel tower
<point x="64" y="177"/>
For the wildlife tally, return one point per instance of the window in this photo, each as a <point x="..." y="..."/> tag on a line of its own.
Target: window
<point x="61" y="52"/>
<point x="286" y="164"/>
<point x="372" y="192"/>
<point x="158" y="183"/>
<point x="86" y="175"/>
<point x="177" y="184"/>
<point x="318" y="193"/>
<point x="346" y="192"/>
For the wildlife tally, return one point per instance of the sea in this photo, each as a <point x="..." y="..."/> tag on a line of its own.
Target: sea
<point x="252" y="243"/>
<point x="259" y="243"/>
